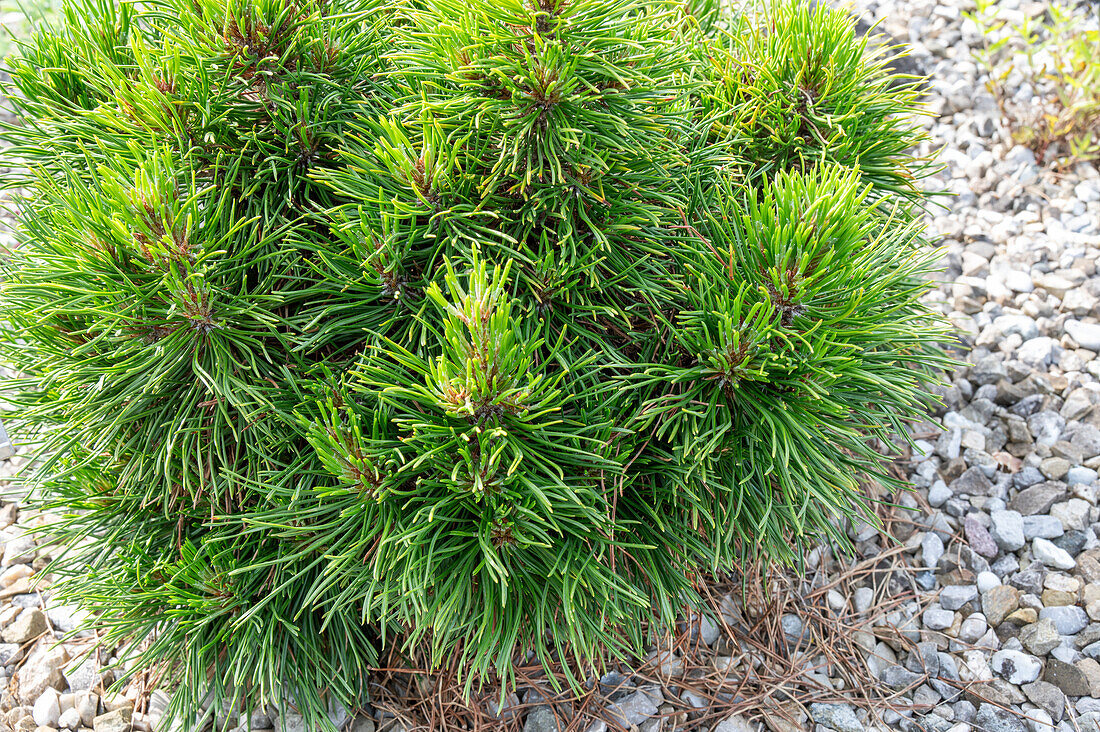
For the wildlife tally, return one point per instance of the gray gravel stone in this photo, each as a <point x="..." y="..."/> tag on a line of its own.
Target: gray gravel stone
<point x="1016" y="667"/>
<point x="1046" y="426"/>
<point x="1040" y="638"/>
<point x="1007" y="530"/>
<point x="965" y="711"/>
<point x="83" y="675"/>
<point x="973" y="482"/>
<point x="924" y="659"/>
<point x="1087" y="706"/>
<point x="1037" y="352"/>
<point x="1067" y="619"/>
<point x="1021" y="325"/>
<point x="898" y="678"/>
<point x="973" y="628"/>
<point x="708" y="630"/>
<point x="634" y="709"/>
<point x="119" y="721"/>
<point x="1042" y="527"/>
<point x="939" y="494"/>
<point x="1028" y="476"/>
<point x="1086" y="438"/>
<point x="994" y="719"/>
<point x="1047" y="697"/>
<point x="18" y="549"/>
<point x="28" y="626"/>
<point x="361" y="723"/>
<point x="931" y="549"/>
<point x="1038" y="498"/>
<point x="954" y="597"/>
<point x="1081" y="476"/>
<point x="10" y="653"/>
<point x="936" y="618"/>
<point x="42" y="670"/>
<point x="734" y="724"/>
<point x="1071" y="542"/>
<point x="669" y="663"/>
<point x="86" y="703"/>
<point x="1067" y="677"/>
<point x="69" y="719"/>
<point x="840" y="717"/>
<point x="862" y="599"/>
<point x="539" y="719"/>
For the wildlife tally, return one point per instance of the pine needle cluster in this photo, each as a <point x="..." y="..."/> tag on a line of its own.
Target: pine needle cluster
<point x="475" y="325"/>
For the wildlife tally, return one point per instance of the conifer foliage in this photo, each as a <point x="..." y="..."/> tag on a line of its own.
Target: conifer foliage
<point x="481" y="326"/>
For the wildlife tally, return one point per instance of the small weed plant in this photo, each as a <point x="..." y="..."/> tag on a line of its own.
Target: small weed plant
<point x="1045" y="74"/>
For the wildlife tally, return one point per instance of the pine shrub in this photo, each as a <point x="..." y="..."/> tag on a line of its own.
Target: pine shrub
<point x="475" y="326"/>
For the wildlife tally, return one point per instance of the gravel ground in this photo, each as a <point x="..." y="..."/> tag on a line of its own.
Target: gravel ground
<point x="985" y="617"/>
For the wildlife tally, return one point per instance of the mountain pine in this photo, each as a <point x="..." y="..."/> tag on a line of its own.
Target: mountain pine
<point x="481" y="326"/>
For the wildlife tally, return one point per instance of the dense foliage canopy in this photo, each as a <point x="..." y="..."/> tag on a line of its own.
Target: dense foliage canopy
<point x="479" y="324"/>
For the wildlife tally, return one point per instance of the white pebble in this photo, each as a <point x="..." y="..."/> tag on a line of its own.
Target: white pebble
<point x="69" y="719"/>
<point x="47" y="709"/>
<point x="1052" y="555"/>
